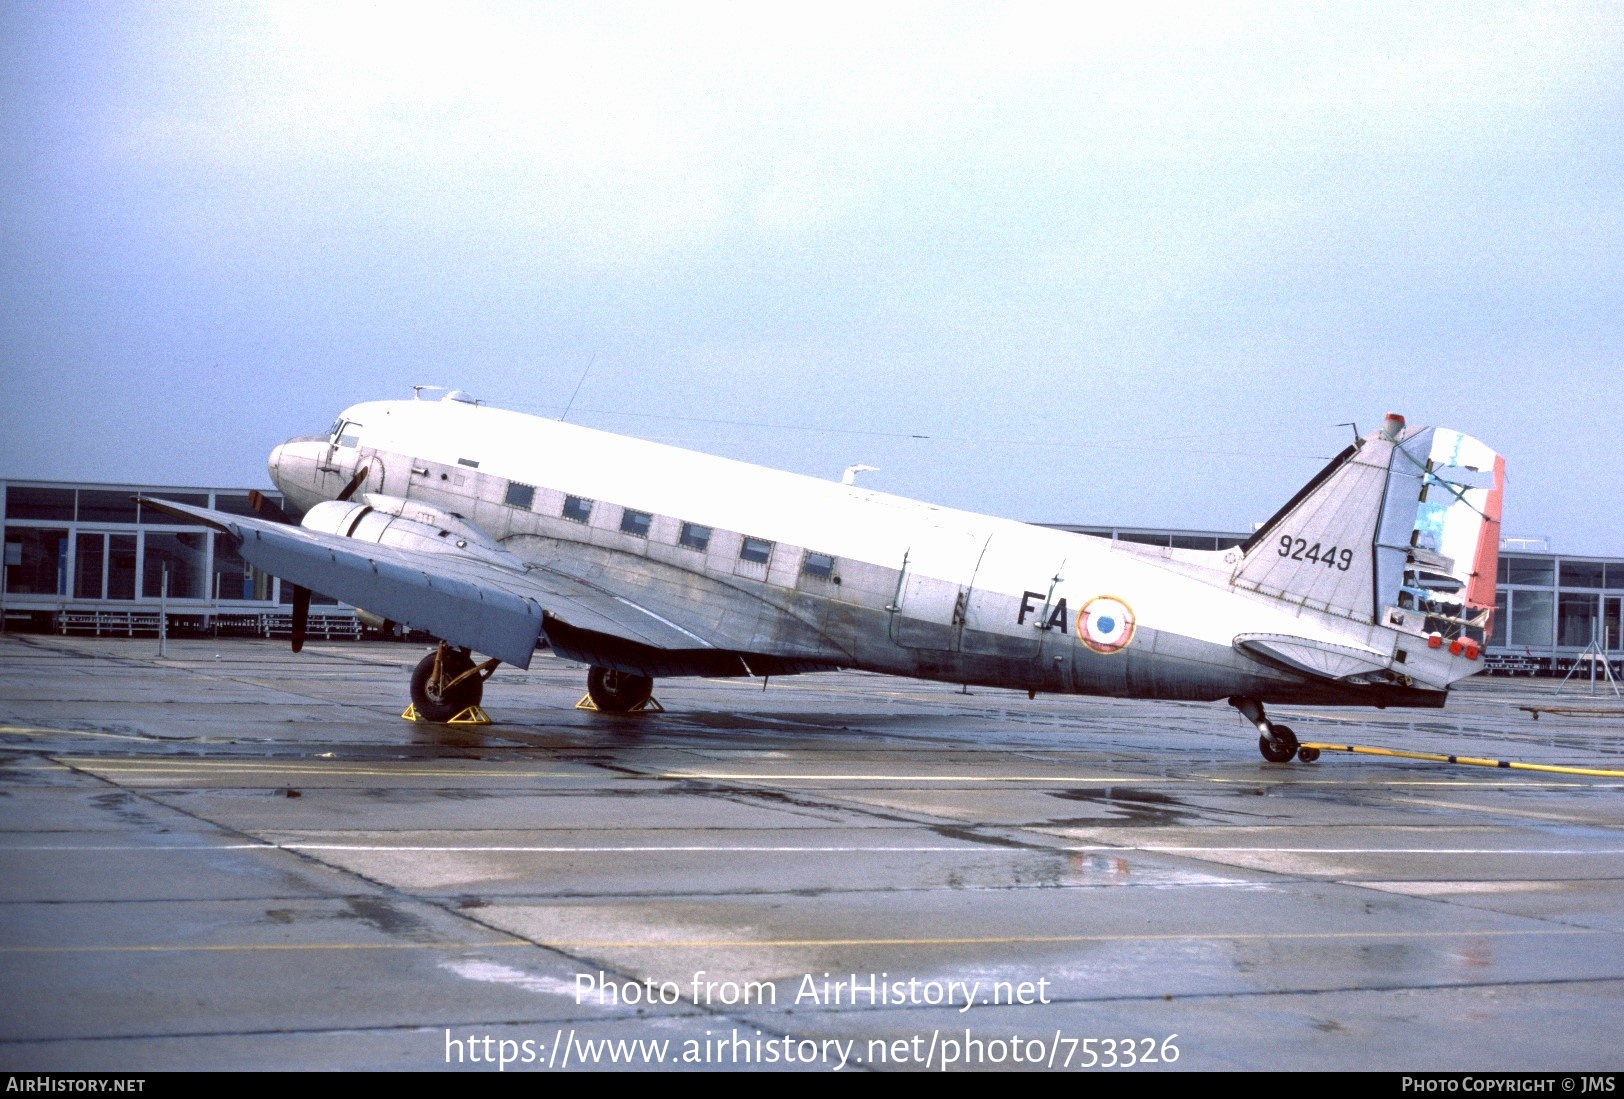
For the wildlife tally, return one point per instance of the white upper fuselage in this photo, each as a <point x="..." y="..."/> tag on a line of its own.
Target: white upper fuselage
<point x="1184" y="593"/>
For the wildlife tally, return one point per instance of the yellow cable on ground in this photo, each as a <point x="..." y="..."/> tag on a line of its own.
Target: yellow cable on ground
<point x="1470" y="760"/>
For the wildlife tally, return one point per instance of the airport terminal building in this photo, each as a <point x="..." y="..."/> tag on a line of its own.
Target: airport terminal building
<point x="87" y="558"/>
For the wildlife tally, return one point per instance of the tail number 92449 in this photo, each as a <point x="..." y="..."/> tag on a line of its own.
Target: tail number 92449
<point x="1331" y="557"/>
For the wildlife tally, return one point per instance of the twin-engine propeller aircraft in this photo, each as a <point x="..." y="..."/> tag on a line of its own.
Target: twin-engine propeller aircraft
<point x="497" y="531"/>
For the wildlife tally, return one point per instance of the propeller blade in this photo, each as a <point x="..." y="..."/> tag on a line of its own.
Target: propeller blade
<point x="267" y="508"/>
<point x="301" y="616"/>
<point x="356" y="482"/>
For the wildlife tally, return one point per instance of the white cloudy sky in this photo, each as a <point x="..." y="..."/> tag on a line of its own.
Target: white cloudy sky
<point x="1123" y="263"/>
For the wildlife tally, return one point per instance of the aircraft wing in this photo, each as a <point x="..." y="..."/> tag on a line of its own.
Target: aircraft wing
<point x="490" y="601"/>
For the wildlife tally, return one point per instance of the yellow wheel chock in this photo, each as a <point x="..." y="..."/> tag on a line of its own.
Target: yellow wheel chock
<point x="652" y="706"/>
<point x="468" y="715"/>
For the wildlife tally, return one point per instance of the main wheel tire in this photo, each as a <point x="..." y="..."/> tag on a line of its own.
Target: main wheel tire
<point x="432" y="705"/>
<point x="617" y="692"/>
<point x="1273" y="751"/>
<point x="1284" y="735"/>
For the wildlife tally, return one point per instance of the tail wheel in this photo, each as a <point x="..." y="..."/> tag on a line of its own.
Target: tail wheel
<point x="1280" y="746"/>
<point x="431" y="700"/>
<point x="618" y="692"/>
<point x="1274" y="752"/>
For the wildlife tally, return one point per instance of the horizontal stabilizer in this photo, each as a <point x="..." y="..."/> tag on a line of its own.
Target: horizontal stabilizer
<point x="1317" y="658"/>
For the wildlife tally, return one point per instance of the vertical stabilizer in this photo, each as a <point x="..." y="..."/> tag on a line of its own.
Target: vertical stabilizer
<point x="1405" y="520"/>
<point x="1318" y="549"/>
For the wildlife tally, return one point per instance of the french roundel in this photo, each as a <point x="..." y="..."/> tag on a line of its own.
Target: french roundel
<point x="1105" y="624"/>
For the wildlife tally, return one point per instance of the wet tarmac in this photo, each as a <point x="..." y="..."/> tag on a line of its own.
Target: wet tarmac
<point x="239" y="858"/>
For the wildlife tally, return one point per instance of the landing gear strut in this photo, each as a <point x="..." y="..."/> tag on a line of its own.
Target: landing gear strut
<point x="1277" y="742"/>
<point x="447" y="681"/>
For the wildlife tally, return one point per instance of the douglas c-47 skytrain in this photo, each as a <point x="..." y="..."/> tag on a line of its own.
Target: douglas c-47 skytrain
<point x="496" y="531"/>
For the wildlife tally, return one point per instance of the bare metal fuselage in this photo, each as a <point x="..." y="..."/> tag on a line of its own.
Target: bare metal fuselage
<point x="793" y="573"/>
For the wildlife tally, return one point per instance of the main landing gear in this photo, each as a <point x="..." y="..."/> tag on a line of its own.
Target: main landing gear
<point x="1277" y="742"/>
<point x="615" y="692"/>
<point x="447" y="681"/>
<point x="447" y="686"/>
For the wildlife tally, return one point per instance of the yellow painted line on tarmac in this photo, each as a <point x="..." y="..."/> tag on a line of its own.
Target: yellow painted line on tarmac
<point x="736" y="944"/>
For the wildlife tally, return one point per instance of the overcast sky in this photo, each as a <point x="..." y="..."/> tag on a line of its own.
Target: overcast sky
<point x="1133" y="263"/>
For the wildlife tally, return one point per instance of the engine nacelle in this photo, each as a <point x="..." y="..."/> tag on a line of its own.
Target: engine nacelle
<point x="407" y="525"/>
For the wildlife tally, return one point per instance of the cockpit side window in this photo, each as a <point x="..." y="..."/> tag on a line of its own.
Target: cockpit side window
<point x="349" y="434"/>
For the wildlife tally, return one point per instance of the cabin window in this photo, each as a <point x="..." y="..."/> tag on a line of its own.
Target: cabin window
<point x="635" y="522"/>
<point x="577" y="509"/>
<point x="519" y="496"/>
<point x="756" y="549"/>
<point x="820" y="565"/>
<point x="695" y="537"/>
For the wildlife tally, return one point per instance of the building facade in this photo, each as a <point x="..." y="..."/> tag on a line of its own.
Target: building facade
<point x="88" y="558"/>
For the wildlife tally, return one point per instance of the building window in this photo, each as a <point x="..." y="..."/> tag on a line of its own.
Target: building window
<point x="1575" y="574"/>
<point x="88" y="562"/>
<point x="1531" y="570"/>
<point x="103" y="506"/>
<point x="635" y="522"/>
<point x="577" y="509"/>
<point x="181" y="556"/>
<point x="236" y="580"/>
<point x="757" y="550"/>
<point x="820" y="565"/>
<point x="1532" y="616"/>
<point x="695" y="537"/>
<point x="24" y="502"/>
<point x="519" y="496"/>
<point x="37" y="561"/>
<point x="151" y="515"/>
<point x="1577" y="622"/>
<point x="121" y="566"/>
<point x="239" y="504"/>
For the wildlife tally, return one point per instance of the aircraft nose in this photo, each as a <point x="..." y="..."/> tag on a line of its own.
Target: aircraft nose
<point x="295" y="470"/>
